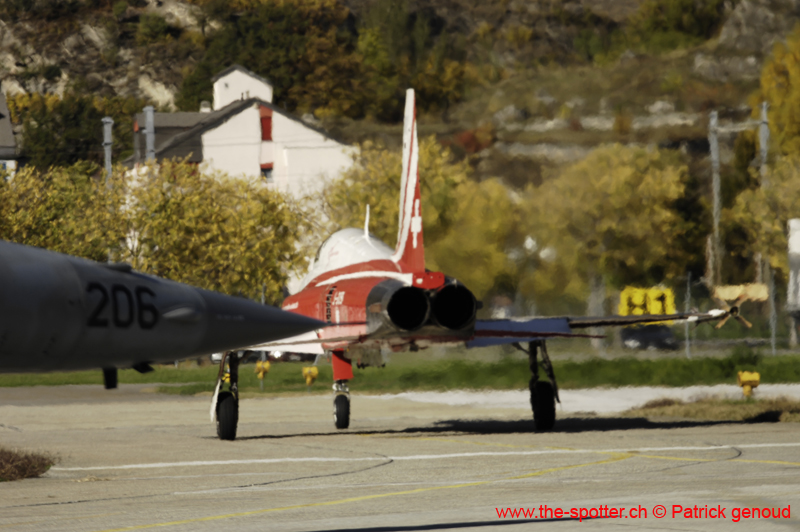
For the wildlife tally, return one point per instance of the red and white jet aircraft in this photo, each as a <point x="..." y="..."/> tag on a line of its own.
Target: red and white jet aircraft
<point x="376" y="298"/>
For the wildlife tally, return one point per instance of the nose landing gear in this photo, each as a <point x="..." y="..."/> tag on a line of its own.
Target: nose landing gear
<point x="227" y="403"/>
<point x="341" y="405"/>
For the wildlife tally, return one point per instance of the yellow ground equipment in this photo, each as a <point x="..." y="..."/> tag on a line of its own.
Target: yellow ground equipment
<point x="748" y="380"/>
<point x="310" y="373"/>
<point x="262" y="368"/>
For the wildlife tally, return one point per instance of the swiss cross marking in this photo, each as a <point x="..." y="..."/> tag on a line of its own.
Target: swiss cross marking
<point x="416" y="223"/>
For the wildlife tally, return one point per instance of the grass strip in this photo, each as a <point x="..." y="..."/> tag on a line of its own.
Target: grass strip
<point x="16" y="465"/>
<point x="511" y="374"/>
<point x="712" y="409"/>
<point x="448" y="374"/>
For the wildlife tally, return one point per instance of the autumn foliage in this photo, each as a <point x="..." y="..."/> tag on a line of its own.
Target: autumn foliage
<point x="175" y="221"/>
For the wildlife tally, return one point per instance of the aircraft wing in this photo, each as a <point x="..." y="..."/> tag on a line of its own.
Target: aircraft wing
<point x="487" y="332"/>
<point x="509" y="331"/>
<point x="603" y="321"/>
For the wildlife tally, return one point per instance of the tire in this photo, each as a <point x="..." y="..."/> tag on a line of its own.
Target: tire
<point x="227" y="416"/>
<point x="341" y="411"/>
<point x="543" y="404"/>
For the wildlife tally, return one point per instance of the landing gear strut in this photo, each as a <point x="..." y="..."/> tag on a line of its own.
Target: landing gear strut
<point x="228" y="401"/>
<point x="544" y="394"/>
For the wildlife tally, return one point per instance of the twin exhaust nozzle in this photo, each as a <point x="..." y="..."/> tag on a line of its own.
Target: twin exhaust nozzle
<point x="408" y="308"/>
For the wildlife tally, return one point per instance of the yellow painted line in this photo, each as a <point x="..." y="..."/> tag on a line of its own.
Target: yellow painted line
<point x="778" y="462"/>
<point x="363" y="498"/>
<point x="740" y="460"/>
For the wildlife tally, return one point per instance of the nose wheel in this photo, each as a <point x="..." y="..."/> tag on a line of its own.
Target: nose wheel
<point x="227" y="402"/>
<point x="341" y="405"/>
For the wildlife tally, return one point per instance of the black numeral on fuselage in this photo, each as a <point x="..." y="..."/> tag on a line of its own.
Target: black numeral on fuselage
<point x="126" y="307"/>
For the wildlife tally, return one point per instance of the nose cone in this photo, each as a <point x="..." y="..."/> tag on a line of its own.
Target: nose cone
<point x="234" y="322"/>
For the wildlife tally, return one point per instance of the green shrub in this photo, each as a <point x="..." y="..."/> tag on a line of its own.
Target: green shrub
<point x="152" y="28"/>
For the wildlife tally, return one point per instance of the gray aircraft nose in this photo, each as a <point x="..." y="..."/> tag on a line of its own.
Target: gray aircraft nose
<point x="234" y="321"/>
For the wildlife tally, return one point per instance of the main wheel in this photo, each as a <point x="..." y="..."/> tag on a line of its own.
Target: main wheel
<point x="543" y="403"/>
<point x="227" y="416"/>
<point x="341" y="411"/>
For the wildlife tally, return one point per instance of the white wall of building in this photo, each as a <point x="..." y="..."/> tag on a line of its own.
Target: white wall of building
<point x="238" y="85"/>
<point x="234" y="146"/>
<point x="304" y="160"/>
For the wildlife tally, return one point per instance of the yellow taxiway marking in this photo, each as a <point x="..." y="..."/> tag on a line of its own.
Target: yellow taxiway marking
<point x="739" y="460"/>
<point x="617" y="458"/>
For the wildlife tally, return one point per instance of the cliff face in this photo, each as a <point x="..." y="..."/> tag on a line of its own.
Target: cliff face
<point x="100" y="52"/>
<point x="104" y="52"/>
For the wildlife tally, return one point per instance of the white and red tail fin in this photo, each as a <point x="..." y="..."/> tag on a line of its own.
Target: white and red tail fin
<point x="410" y="251"/>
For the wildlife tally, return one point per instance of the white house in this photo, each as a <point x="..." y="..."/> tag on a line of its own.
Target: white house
<point x="8" y="146"/>
<point x="244" y="134"/>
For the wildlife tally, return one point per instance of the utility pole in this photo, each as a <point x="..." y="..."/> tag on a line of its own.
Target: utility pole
<point x="108" y="122"/>
<point x="150" y="133"/>
<point x="773" y="313"/>
<point x="687" y="305"/>
<point x="713" y="144"/>
<point x="763" y="138"/>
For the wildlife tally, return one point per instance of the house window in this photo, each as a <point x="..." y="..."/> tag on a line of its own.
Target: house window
<point x="266" y="123"/>
<point x="266" y="172"/>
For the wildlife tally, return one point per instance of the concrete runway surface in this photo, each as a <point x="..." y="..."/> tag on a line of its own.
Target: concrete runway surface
<point x="131" y="460"/>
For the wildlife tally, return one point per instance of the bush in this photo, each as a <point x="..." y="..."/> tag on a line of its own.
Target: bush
<point x="119" y="9"/>
<point x="16" y="465"/>
<point x="152" y="28"/>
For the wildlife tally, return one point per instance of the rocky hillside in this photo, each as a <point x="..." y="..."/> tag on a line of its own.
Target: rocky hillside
<point x="543" y="80"/>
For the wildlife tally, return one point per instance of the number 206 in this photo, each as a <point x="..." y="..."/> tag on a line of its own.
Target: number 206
<point x="125" y="307"/>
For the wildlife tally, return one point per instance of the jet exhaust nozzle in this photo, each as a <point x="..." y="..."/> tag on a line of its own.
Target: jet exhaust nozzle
<point x="454" y="307"/>
<point x="401" y="307"/>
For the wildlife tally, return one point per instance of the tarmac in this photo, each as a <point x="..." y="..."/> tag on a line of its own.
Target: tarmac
<point x="133" y="460"/>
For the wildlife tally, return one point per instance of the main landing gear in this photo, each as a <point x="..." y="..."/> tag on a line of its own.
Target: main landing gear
<point x="227" y="407"/>
<point x="544" y="393"/>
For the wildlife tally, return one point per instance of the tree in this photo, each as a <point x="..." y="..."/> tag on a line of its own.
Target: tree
<point x="62" y="131"/>
<point x="780" y="87"/>
<point x="476" y="248"/>
<point x="304" y="48"/>
<point x="63" y="210"/>
<point x="763" y="213"/>
<point x="610" y="217"/>
<point x="468" y="225"/>
<point x="211" y="231"/>
<point x="177" y="222"/>
<point x="375" y="181"/>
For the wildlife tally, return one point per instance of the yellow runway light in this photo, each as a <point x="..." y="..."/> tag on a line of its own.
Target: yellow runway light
<point x="262" y="368"/>
<point x="310" y="374"/>
<point x="748" y="380"/>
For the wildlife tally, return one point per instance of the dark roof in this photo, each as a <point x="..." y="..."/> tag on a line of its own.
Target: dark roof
<point x="188" y="142"/>
<point x="241" y="69"/>
<point x="8" y="146"/>
<point x="184" y="120"/>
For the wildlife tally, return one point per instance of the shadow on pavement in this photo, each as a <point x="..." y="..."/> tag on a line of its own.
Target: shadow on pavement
<point x="494" y="426"/>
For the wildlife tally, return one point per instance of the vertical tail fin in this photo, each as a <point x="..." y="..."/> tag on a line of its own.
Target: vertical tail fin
<point x="410" y="251"/>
